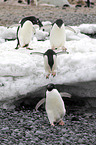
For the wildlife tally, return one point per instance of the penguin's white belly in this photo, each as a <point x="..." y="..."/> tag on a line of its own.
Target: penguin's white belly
<point x="57" y="38"/>
<point x="25" y="33"/>
<point x="54" y="106"/>
<point x="25" y="36"/>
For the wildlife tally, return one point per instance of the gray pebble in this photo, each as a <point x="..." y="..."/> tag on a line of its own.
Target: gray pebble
<point x="5" y="128"/>
<point x="29" y="127"/>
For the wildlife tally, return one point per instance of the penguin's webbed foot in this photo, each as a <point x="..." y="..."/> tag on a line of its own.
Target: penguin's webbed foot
<point x="61" y="122"/>
<point x="64" y="48"/>
<point x="17" y="48"/>
<point x="52" y="124"/>
<point x="47" y="76"/>
<point x="54" y="74"/>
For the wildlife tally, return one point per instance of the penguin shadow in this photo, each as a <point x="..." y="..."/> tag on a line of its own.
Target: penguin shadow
<point x="50" y="61"/>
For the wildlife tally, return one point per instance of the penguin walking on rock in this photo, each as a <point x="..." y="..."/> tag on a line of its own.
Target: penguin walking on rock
<point x="50" y="61"/>
<point x="24" y="34"/>
<point x="58" y="35"/>
<point x="54" y="105"/>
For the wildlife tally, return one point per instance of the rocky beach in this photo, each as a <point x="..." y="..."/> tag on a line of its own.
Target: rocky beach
<point x="12" y="12"/>
<point x="22" y="125"/>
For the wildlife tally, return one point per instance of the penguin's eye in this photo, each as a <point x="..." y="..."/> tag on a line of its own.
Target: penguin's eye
<point x="43" y="30"/>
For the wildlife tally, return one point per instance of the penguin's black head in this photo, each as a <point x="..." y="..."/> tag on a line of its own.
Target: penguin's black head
<point x="33" y="19"/>
<point x="59" y="22"/>
<point x="50" y="87"/>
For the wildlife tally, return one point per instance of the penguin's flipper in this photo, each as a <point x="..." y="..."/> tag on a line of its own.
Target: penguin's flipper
<point x="26" y="46"/>
<point x="17" y="38"/>
<point x="62" y="52"/>
<point x="34" y="30"/>
<point x="64" y="94"/>
<point x="39" y="103"/>
<point x="39" y="53"/>
<point x="71" y="29"/>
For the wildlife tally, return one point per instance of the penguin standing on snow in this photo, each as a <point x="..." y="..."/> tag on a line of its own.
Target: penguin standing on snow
<point x="24" y="34"/>
<point x="33" y="19"/>
<point x="57" y="35"/>
<point x="50" y="61"/>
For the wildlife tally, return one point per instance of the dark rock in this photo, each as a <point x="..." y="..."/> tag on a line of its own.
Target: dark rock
<point x="91" y="35"/>
<point x="92" y="3"/>
<point x="65" y="6"/>
<point x="75" y="119"/>
<point x="79" y="5"/>
<point x="19" y="1"/>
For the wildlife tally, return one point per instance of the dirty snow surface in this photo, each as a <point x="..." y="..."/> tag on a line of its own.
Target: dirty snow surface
<point x="21" y="72"/>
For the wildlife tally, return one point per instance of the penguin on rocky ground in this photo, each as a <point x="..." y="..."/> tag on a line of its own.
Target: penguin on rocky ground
<point x="58" y="35"/>
<point x="54" y="105"/>
<point x="24" y="34"/>
<point x="50" y="61"/>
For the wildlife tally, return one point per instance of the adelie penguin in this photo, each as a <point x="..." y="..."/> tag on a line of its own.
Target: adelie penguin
<point x="54" y="105"/>
<point x="50" y="61"/>
<point x="58" y="35"/>
<point x="24" y="34"/>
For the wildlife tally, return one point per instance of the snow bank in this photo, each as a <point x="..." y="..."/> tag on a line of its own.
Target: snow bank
<point x="21" y="72"/>
<point x="88" y="28"/>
